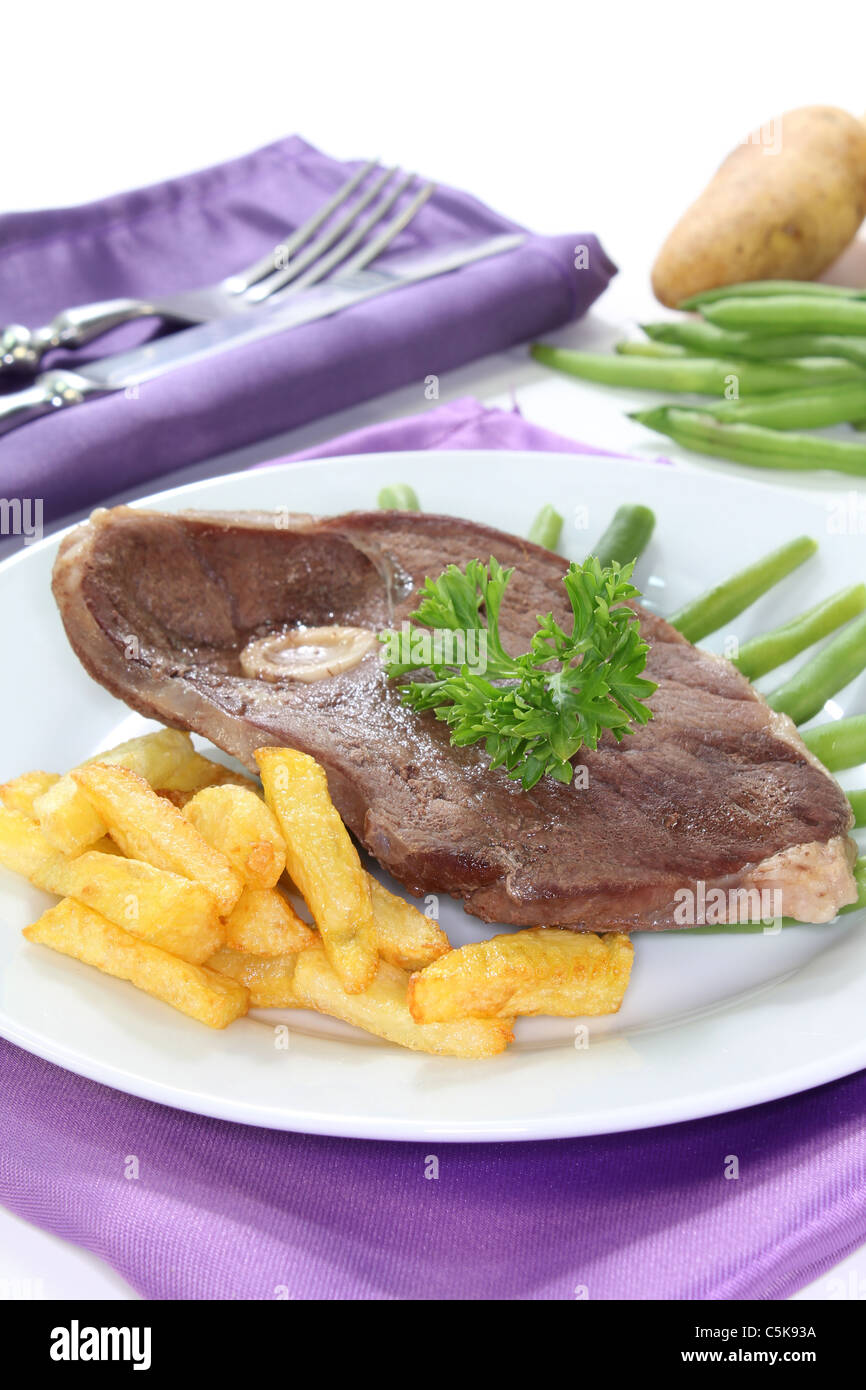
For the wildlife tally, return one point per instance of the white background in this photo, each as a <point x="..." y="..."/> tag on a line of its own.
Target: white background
<point x="563" y="116"/>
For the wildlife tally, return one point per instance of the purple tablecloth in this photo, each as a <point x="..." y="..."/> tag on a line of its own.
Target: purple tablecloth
<point x="224" y="1211"/>
<point x="195" y="229"/>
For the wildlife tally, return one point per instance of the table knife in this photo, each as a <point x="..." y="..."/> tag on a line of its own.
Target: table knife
<point x="59" y="389"/>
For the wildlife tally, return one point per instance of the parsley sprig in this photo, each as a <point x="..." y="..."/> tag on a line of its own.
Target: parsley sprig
<point x="536" y="710"/>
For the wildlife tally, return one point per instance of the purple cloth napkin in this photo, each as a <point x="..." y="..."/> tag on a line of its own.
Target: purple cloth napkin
<point x="461" y="424"/>
<point x="226" y="1211"/>
<point x="197" y="229"/>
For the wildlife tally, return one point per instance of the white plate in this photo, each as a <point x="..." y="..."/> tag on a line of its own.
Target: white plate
<point x="710" y="1023"/>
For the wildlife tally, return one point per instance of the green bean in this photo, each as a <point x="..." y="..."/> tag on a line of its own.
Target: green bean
<point x="546" y="528"/>
<point x="697" y="336"/>
<point x="399" y="497"/>
<point x="772" y="649"/>
<point x="764" y="289"/>
<point x="627" y="536"/>
<point x="851" y="348"/>
<point x="797" y="410"/>
<point x="752" y="444"/>
<point x="790" y="313"/>
<point x="858" y="806"/>
<point x="696" y="375"/>
<point x="638" y="347"/>
<point x="834" y="667"/>
<point x="727" y="600"/>
<point x="839" y="744"/>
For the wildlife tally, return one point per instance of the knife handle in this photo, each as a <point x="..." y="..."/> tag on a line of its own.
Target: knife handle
<point x="51" y="391"/>
<point x="22" y="349"/>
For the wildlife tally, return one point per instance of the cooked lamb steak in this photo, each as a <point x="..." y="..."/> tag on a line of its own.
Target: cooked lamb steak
<point x="717" y="789"/>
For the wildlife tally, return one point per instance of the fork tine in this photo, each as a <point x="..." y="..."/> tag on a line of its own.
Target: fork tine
<point x="279" y="278"/>
<point x="245" y="279"/>
<point x="392" y="229"/>
<point x="358" y="234"/>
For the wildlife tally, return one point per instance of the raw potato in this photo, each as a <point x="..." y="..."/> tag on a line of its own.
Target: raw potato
<point x="171" y="912"/>
<point x="544" y="970"/>
<point x="193" y="989"/>
<point x="239" y="824"/>
<point x="771" y="213"/>
<point x="26" y="850"/>
<point x="323" y="862"/>
<point x="148" y="827"/>
<point x="65" y="814"/>
<point x="263" y="923"/>
<point x="382" y="1009"/>
<point x="404" y="936"/>
<point x="268" y="978"/>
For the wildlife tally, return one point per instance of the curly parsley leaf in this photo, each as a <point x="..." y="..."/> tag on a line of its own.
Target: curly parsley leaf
<point x="534" y="711"/>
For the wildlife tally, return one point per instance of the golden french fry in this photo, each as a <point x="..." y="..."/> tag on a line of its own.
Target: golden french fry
<point x="20" y="793"/>
<point x="26" y="850"/>
<point x="225" y="777"/>
<point x="383" y="1009"/>
<point x="72" y="823"/>
<point x="194" y="773"/>
<point x="265" y="924"/>
<point x="404" y="936"/>
<point x="148" y="827"/>
<point x="105" y="846"/>
<point x="178" y="799"/>
<point x="171" y="912"/>
<point x="193" y="989"/>
<point x="544" y="970"/>
<point x="67" y="817"/>
<point x="323" y="862"/>
<point x="268" y="978"/>
<point x="239" y="824"/>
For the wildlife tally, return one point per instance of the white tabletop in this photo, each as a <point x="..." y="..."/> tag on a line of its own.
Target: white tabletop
<point x="565" y="117"/>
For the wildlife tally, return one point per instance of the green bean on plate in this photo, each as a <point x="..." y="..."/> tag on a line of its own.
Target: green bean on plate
<point x="727" y="600"/>
<point x="772" y="649"/>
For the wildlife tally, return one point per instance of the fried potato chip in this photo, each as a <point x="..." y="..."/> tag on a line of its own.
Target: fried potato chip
<point x="26" y="850"/>
<point x="404" y="936"/>
<point x="323" y="862"/>
<point x="544" y="970"/>
<point x="239" y="824"/>
<point x="148" y="827"/>
<point x="265" y="924"/>
<point x="72" y="823"/>
<point x="171" y="912"/>
<point x="383" y="1009"/>
<point x="193" y="989"/>
<point x="21" y="792"/>
<point x="268" y="978"/>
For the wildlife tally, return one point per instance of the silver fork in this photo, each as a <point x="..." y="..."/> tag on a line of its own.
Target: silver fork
<point x="301" y="260"/>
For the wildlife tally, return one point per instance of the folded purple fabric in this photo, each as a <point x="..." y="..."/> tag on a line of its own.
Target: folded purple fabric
<point x="461" y="424"/>
<point x="199" y="228"/>
<point x="225" y="1211"/>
